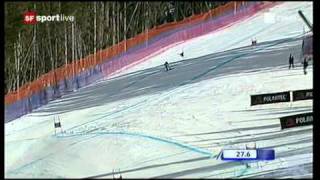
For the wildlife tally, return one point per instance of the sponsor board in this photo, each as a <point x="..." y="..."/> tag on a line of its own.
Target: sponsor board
<point x="270" y="98"/>
<point x="296" y="120"/>
<point x="302" y="95"/>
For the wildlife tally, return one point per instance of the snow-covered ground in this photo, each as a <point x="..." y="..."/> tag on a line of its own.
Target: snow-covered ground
<point x="153" y="123"/>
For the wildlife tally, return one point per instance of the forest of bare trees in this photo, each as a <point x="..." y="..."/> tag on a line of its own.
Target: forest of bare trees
<point x="32" y="50"/>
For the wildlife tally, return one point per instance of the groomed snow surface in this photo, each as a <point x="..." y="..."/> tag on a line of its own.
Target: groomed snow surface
<point x="149" y="123"/>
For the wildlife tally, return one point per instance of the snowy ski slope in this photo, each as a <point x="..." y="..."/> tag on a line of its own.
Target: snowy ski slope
<point x="145" y="122"/>
<point x="281" y="21"/>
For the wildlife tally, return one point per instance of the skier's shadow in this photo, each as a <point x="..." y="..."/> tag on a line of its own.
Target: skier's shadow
<point x="171" y="68"/>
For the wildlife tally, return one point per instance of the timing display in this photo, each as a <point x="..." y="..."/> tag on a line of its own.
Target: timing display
<point x="239" y="154"/>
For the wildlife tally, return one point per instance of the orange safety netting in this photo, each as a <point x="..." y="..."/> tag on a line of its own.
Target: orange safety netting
<point x="69" y="70"/>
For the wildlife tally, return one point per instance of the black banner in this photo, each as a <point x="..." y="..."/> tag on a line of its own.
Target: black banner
<point x="57" y="124"/>
<point x="296" y="120"/>
<point x="270" y="98"/>
<point x="302" y="94"/>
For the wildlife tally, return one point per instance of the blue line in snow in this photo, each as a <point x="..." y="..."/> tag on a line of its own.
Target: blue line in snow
<point x="189" y="147"/>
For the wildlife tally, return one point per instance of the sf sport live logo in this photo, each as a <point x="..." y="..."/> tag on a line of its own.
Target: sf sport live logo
<point x="31" y="17"/>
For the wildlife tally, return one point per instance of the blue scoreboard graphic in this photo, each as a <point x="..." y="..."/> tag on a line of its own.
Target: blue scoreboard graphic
<point x="247" y="154"/>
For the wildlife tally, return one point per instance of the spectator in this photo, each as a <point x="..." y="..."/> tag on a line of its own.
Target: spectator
<point x="291" y="61"/>
<point x="305" y="65"/>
